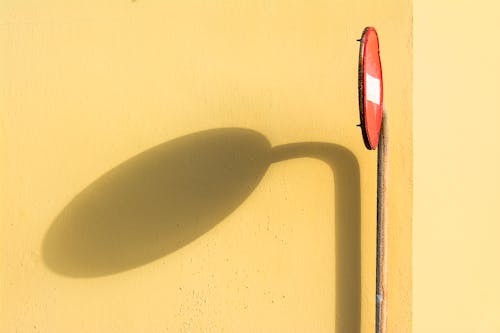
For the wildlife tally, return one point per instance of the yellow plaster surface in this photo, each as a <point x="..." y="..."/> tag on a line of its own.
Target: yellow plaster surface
<point x="457" y="163"/>
<point x="194" y="166"/>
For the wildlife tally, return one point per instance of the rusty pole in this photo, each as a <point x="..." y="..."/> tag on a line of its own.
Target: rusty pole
<point x="382" y="227"/>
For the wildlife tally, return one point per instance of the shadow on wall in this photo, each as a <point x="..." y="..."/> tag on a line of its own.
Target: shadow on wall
<point x="169" y="195"/>
<point x="156" y="202"/>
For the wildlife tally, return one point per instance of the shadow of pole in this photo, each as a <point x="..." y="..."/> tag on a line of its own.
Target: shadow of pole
<point x="166" y="197"/>
<point x="345" y="169"/>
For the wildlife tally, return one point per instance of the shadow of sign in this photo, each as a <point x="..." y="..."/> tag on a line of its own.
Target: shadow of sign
<point x="166" y="197"/>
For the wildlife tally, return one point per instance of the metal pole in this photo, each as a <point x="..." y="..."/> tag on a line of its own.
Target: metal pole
<point x="382" y="221"/>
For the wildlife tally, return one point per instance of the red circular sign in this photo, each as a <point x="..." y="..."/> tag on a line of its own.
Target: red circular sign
<point x="370" y="85"/>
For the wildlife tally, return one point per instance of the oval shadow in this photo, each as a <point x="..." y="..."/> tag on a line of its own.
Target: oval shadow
<point x="156" y="202"/>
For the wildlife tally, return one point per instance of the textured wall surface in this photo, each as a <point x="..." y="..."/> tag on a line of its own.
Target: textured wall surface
<point x="194" y="166"/>
<point x="457" y="163"/>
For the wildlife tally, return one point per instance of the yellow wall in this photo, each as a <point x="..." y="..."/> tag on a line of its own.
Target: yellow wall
<point x="457" y="163"/>
<point x="214" y="231"/>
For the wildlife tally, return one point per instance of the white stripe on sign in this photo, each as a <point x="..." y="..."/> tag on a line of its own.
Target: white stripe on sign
<point x="372" y="89"/>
